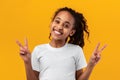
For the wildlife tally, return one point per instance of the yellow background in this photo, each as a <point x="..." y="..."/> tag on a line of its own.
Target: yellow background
<point x="31" y="19"/>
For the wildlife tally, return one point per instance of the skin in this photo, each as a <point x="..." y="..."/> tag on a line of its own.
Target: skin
<point x="26" y="56"/>
<point x="60" y="28"/>
<point x="63" y="23"/>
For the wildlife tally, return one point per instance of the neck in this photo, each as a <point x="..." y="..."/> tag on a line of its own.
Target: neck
<point x="57" y="43"/>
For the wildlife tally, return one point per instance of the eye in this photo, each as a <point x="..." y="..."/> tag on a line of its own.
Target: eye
<point x="66" y="25"/>
<point x="57" y="21"/>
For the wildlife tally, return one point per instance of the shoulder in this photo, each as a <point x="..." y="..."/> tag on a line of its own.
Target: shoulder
<point x="76" y="49"/>
<point x="39" y="48"/>
<point x="73" y="46"/>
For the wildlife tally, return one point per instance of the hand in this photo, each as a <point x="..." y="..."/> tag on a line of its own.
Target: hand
<point x="24" y="51"/>
<point x="96" y="55"/>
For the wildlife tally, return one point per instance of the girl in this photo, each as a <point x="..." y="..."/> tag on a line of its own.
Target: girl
<point x="62" y="58"/>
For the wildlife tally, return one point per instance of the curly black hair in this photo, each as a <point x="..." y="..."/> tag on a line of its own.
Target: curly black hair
<point x="80" y="26"/>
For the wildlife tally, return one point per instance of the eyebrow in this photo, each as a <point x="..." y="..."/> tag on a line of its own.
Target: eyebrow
<point x="65" y="21"/>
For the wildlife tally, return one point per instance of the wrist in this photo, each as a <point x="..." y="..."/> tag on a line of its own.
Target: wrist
<point x="27" y="59"/>
<point x="27" y="62"/>
<point x="90" y="65"/>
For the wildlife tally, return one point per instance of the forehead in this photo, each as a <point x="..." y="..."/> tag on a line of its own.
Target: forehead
<point x="65" y="16"/>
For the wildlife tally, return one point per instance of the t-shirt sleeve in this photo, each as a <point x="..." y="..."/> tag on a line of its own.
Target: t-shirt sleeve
<point x="34" y="60"/>
<point x="80" y="59"/>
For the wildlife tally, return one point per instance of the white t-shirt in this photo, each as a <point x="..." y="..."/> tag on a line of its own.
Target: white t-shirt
<point x="58" y="63"/>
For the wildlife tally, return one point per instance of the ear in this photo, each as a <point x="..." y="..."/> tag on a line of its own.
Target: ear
<point x="72" y="32"/>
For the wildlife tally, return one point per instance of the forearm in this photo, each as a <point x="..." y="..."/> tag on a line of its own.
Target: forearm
<point x="30" y="73"/>
<point x="86" y="74"/>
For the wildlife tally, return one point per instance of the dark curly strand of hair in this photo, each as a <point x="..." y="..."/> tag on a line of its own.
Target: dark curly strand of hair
<point x="80" y="26"/>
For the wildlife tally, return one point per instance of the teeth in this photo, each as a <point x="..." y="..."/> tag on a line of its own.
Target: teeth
<point x="57" y="32"/>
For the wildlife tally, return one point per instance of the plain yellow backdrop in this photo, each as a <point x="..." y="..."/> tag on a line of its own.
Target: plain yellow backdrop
<point x="31" y="19"/>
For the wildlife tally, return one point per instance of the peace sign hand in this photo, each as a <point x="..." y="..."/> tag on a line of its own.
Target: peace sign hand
<point x="24" y="51"/>
<point x="96" y="55"/>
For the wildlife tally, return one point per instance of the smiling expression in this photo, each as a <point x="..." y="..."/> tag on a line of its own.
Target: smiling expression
<point x="62" y="26"/>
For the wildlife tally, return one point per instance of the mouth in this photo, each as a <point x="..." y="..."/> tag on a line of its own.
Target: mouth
<point x="57" y="32"/>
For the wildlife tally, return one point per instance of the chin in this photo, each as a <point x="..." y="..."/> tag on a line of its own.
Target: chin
<point x="56" y="38"/>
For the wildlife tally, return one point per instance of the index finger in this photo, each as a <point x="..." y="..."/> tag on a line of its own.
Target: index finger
<point x="96" y="48"/>
<point x="19" y="44"/>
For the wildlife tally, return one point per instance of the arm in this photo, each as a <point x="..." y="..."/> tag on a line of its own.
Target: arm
<point x="92" y="62"/>
<point x="31" y="74"/>
<point x="80" y="75"/>
<point x="26" y="56"/>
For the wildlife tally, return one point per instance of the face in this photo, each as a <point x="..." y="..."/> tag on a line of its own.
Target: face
<point x="62" y="26"/>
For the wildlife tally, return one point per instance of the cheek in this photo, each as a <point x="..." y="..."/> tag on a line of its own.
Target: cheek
<point x="67" y="32"/>
<point x="51" y="27"/>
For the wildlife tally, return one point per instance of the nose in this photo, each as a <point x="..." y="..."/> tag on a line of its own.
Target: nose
<point x="59" y="26"/>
